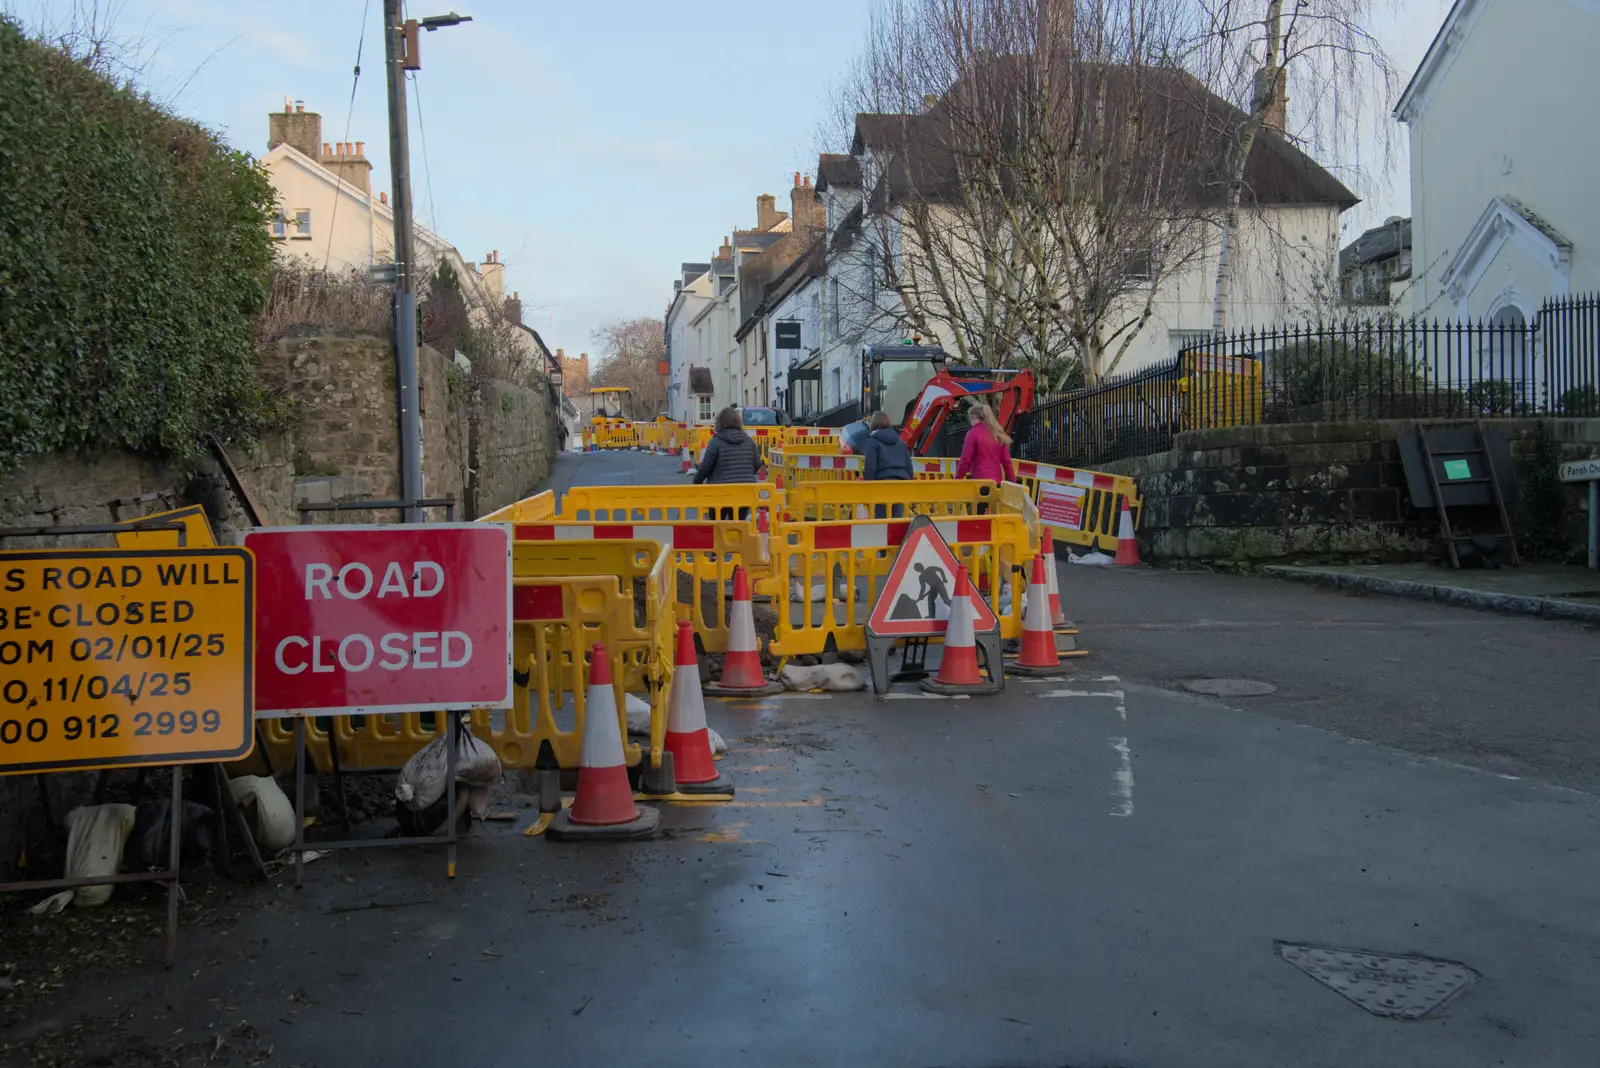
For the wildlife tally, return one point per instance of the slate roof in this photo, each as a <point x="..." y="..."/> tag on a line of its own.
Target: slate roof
<point x="1376" y="244"/>
<point x="837" y="170"/>
<point x="1277" y="172"/>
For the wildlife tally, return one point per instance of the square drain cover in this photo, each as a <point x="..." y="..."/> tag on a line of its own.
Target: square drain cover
<point x="1385" y="984"/>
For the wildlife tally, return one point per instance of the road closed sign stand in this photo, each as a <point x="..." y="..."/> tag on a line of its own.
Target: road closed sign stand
<point x="914" y="605"/>
<point x="382" y="619"/>
<point x="1588" y="471"/>
<point x="125" y="658"/>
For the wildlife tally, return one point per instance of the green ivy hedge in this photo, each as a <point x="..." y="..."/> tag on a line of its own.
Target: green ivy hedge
<point x="134" y="251"/>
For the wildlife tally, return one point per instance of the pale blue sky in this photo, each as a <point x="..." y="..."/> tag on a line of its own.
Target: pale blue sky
<point x="596" y="144"/>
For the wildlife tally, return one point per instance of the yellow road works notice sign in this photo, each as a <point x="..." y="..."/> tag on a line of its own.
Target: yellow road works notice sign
<point x="117" y="657"/>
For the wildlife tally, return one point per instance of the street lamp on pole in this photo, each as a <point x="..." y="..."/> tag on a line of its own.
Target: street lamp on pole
<point x="401" y="54"/>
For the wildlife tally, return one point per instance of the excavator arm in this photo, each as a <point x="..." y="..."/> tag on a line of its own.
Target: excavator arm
<point x="1009" y="393"/>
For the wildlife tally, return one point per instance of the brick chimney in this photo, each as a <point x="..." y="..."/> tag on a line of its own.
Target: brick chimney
<point x="514" y="308"/>
<point x="726" y="251"/>
<point x="1277" y="112"/>
<point x="805" y="209"/>
<point x="493" y="273"/>
<point x="767" y="213"/>
<point x="295" y="126"/>
<point x="349" y="161"/>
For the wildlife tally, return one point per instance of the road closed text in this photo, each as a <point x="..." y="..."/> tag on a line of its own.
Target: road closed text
<point x="374" y="618"/>
<point x="420" y="650"/>
<point x="393" y="651"/>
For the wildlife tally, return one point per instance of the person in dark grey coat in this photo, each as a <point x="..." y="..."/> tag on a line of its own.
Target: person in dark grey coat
<point x="731" y="456"/>
<point x="888" y="459"/>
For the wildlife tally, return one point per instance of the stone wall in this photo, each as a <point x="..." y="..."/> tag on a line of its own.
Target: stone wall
<point x="347" y="420"/>
<point x="512" y="443"/>
<point x="69" y="490"/>
<point x="1243" y="496"/>
<point x="480" y="444"/>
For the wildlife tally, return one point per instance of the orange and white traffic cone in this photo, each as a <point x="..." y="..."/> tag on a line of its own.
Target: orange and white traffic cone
<point x="603" y="808"/>
<point x="741" y="665"/>
<point x="1063" y="627"/>
<point x="1127" y="541"/>
<point x="958" y="666"/>
<point x="1047" y="549"/>
<point x="686" y="466"/>
<point x="1038" y="656"/>
<point x="694" y="768"/>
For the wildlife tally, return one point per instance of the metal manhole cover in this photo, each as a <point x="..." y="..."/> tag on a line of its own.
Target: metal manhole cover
<point x="1230" y="687"/>
<point x="1385" y="984"/>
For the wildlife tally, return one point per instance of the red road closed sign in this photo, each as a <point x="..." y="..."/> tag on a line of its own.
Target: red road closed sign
<point x="356" y="619"/>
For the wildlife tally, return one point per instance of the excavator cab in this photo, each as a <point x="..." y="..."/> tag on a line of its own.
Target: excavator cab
<point x="922" y="392"/>
<point x="892" y="378"/>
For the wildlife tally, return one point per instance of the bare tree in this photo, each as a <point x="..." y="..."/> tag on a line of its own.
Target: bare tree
<point x="1259" y="53"/>
<point x="634" y="349"/>
<point x="1042" y="176"/>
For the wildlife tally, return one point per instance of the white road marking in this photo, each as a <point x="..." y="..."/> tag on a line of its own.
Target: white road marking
<point x="1046" y="681"/>
<point x="1085" y="693"/>
<point x="1122" y="778"/>
<point x="926" y="696"/>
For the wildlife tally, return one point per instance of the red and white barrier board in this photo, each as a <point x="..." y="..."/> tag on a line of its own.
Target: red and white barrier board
<point x="392" y="618"/>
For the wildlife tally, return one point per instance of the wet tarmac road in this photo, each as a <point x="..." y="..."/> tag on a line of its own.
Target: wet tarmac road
<point x="1089" y="872"/>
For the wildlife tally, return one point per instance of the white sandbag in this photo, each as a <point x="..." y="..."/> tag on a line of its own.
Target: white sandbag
<point x="834" y="678"/>
<point x="799" y="678"/>
<point x="819" y="591"/>
<point x="274" y="814"/>
<point x="843" y="678"/>
<point x="96" y="835"/>
<point x="1092" y="559"/>
<point x="478" y="801"/>
<point x="638" y="710"/>
<point x="717" y="744"/>
<point x="422" y="780"/>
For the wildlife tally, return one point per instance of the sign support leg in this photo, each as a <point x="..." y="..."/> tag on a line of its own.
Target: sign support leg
<point x="299" y="799"/>
<point x="174" y="855"/>
<point x="451" y="734"/>
<point x="1594" y="524"/>
<point x="338" y="774"/>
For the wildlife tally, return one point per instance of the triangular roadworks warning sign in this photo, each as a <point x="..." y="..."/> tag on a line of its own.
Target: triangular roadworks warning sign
<point x="915" y="601"/>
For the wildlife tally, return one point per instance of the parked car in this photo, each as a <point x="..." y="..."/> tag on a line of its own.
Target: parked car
<point x="763" y="416"/>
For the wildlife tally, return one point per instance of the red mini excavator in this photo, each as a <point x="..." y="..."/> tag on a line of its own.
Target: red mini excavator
<point x="921" y="391"/>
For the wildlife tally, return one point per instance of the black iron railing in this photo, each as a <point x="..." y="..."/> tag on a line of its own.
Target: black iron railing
<point x="1323" y="373"/>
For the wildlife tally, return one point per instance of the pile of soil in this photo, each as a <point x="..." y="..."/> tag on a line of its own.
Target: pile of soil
<point x="369" y="796"/>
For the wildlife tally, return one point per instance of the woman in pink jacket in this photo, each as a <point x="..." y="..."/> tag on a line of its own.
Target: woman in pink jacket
<point x="986" y="454"/>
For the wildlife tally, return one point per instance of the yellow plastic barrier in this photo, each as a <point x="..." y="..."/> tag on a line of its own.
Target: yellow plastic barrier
<point x="704" y="552"/>
<point x="766" y="438"/>
<point x="812" y="447"/>
<point x="932" y="467"/>
<point x="1080" y="507"/>
<point x="667" y="504"/>
<point x="196" y="530"/>
<point x="835" y="570"/>
<point x="787" y="468"/>
<point x="611" y="434"/>
<point x="814" y="435"/>
<point x="528" y="510"/>
<point x="566" y="597"/>
<point x="824" y="501"/>
<point x="660" y="434"/>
